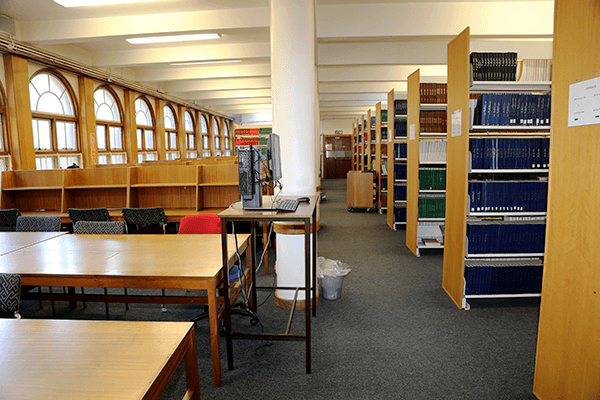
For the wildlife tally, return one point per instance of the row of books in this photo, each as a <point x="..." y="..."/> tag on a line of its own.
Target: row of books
<point x="399" y="213"/>
<point x="400" y="107"/>
<point x="433" y="121"/>
<point x="383" y="115"/>
<point x="430" y="230"/>
<point x="494" y="66"/>
<point x="400" y="170"/>
<point x="400" y="150"/>
<point x="384" y="133"/>
<point x="536" y="70"/>
<point x="384" y="149"/>
<point x="498" y="237"/>
<point x="400" y="192"/>
<point x="432" y="151"/>
<point x="503" y="279"/>
<point x="432" y="178"/>
<point x="510" y="153"/>
<point x="400" y="127"/>
<point x="508" y="196"/>
<point x="432" y="206"/>
<point x="512" y="109"/>
<point x="434" y="93"/>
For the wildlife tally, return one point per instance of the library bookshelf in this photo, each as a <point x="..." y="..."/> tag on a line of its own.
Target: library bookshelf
<point x="424" y="230"/>
<point x="396" y="151"/>
<point x="381" y="158"/>
<point x="504" y="270"/>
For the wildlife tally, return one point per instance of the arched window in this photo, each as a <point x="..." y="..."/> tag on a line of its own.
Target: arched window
<point x="146" y="141"/>
<point x="109" y="128"/>
<point x="216" y="133"/>
<point x="54" y="122"/>
<point x="205" y="138"/>
<point x="226" y="139"/>
<point x="5" y="164"/>
<point x="190" y="136"/>
<point x="171" y="134"/>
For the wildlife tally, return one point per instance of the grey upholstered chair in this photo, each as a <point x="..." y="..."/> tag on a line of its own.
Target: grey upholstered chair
<point x="26" y="223"/>
<point x="10" y="293"/>
<point x="101" y="228"/>
<point x="143" y="218"/>
<point x="8" y="219"/>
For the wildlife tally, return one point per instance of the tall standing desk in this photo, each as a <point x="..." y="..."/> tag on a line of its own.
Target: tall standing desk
<point x="307" y="213"/>
<point x="66" y="359"/>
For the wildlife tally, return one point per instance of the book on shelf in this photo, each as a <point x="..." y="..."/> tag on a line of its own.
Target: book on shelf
<point x="400" y="170"/>
<point x="399" y="213"/>
<point x="505" y="237"/>
<point x="432" y="178"/>
<point x="508" y="196"/>
<point x="512" y="109"/>
<point x="534" y="70"/>
<point x="433" y="121"/>
<point x="432" y="151"/>
<point x="384" y="134"/>
<point x="508" y="276"/>
<point x="432" y="206"/>
<point x="384" y="168"/>
<point x="400" y="192"/>
<point x="400" y="107"/>
<point x="400" y="150"/>
<point x="510" y="153"/>
<point x="400" y="129"/>
<point x="383" y="115"/>
<point x="434" y="93"/>
<point x="494" y="66"/>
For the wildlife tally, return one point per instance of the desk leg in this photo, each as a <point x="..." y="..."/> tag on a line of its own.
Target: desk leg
<point x="213" y="319"/>
<point x="252" y="293"/>
<point x="314" y="263"/>
<point x="226" y="305"/>
<point x="191" y="367"/>
<point x="251" y="271"/>
<point x="265" y="236"/>
<point x="307" y="291"/>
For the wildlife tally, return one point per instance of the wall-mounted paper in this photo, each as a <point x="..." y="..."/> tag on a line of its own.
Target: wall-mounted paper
<point x="412" y="133"/>
<point x="584" y="103"/>
<point x="457" y="123"/>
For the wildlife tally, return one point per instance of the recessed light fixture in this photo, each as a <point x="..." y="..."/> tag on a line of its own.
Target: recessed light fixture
<point x="175" y="38"/>
<point x="205" y="62"/>
<point x="87" y="3"/>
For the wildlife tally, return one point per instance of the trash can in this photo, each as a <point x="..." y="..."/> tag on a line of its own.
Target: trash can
<point x="332" y="287"/>
<point x="331" y="274"/>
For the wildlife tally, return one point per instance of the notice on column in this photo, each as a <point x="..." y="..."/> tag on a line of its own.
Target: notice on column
<point x="584" y="103"/>
<point x="412" y="134"/>
<point x="457" y="123"/>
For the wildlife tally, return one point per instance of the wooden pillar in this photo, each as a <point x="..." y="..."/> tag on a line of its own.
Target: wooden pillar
<point x="159" y="126"/>
<point x="181" y="135"/>
<point x="129" y="126"/>
<point x="87" y="122"/>
<point x="18" y="112"/>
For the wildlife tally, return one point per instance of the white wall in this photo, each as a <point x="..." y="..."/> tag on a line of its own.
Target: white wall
<point x="329" y="126"/>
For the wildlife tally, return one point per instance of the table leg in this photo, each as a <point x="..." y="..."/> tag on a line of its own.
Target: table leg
<point x="226" y="302"/>
<point x="265" y="235"/>
<point x="252" y="293"/>
<point x="307" y="289"/>
<point x="214" y="333"/>
<point x="191" y="367"/>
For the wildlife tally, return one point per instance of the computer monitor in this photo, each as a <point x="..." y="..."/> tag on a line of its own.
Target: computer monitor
<point x="274" y="157"/>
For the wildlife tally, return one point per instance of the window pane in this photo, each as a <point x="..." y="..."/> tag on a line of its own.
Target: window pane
<point x="45" y="162"/>
<point x="227" y="153"/>
<point x="103" y="159"/>
<point x="205" y="142"/>
<point x="151" y="157"/>
<point x="106" y="106"/>
<point x="118" y="159"/>
<point x="149" y="138"/>
<point x="142" y="113"/>
<point x="191" y="142"/>
<point x="189" y="122"/>
<point x="206" y="153"/>
<point x="65" y="99"/>
<point x="173" y="140"/>
<point x="169" y="118"/>
<point x="216" y="128"/>
<point x="140" y="157"/>
<point x="167" y="140"/>
<point x="101" y="138"/>
<point x="192" y="154"/>
<point x="217" y="142"/>
<point x="203" y="125"/>
<point x="1" y="132"/>
<point x="41" y="134"/>
<point x="65" y="135"/>
<point x="49" y="103"/>
<point x="140" y="141"/>
<point x="104" y="112"/>
<point x="226" y="142"/>
<point x="116" y="138"/>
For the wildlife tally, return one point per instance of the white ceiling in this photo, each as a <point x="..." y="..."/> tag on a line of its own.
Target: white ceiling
<point x="365" y="48"/>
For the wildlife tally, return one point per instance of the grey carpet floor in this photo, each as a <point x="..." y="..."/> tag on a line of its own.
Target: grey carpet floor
<point x="393" y="333"/>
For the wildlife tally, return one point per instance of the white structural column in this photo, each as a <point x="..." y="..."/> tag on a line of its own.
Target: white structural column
<point x="294" y="102"/>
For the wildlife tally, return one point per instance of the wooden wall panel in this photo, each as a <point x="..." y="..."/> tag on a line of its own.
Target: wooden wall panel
<point x="457" y="167"/>
<point x="412" y="185"/>
<point x="568" y="350"/>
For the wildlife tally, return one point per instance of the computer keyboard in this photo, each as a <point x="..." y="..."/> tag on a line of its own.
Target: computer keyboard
<point x="286" y="205"/>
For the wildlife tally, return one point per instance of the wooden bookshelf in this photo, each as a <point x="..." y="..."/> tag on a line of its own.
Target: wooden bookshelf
<point x="457" y="253"/>
<point x="416" y="139"/>
<point x="568" y="351"/>
<point x="393" y="180"/>
<point x="381" y="159"/>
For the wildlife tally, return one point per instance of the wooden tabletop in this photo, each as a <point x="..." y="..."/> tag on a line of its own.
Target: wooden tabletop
<point x="12" y="241"/>
<point x="191" y="256"/>
<point x="65" y="359"/>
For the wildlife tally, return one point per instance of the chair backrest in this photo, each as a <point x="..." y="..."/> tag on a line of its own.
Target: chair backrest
<point x="200" y="223"/>
<point x="26" y="223"/>
<point x="99" y="227"/>
<point x="8" y="219"/>
<point x="88" y="214"/>
<point x="10" y="293"/>
<point x="145" y="216"/>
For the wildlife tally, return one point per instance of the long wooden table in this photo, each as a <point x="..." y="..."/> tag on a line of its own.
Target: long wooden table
<point x="66" y="359"/>
<point x="13" y="241"/>
<point x="132" y="261"/>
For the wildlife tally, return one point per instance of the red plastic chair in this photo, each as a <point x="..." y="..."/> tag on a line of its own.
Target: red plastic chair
<point x="200" y="224"/>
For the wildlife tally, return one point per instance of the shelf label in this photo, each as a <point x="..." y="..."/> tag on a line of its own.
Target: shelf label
<point x="456" y="123"/>
<point x="412" y="132"/>
<point x="584" y="102"/>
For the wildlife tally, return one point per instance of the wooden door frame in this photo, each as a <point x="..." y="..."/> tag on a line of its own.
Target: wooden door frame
<point x="325" y="136"/>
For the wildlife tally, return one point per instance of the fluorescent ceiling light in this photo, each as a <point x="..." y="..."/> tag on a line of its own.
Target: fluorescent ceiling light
<point x="86" y="3"/>
<point x="205" y="62"/>
<point x="176" y="38"/>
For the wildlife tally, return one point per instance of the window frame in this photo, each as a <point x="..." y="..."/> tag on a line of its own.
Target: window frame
<point x="110" y="152"/>
<point x="190" y="151"/>
<point x="206" y="151"/>
<point x="144" y="129"/>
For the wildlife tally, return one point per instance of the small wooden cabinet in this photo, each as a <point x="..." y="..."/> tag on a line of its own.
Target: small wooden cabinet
<point x="360" y="189"/>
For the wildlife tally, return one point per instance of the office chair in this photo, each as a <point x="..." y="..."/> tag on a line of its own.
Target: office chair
<point x="101" y="228"/>
<point x="8" y="219"/>
<point x="88" y="214"/>
<point x="10" y="294"/>
<point x="211" y="224"/>
<point x="143" y="218"/>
